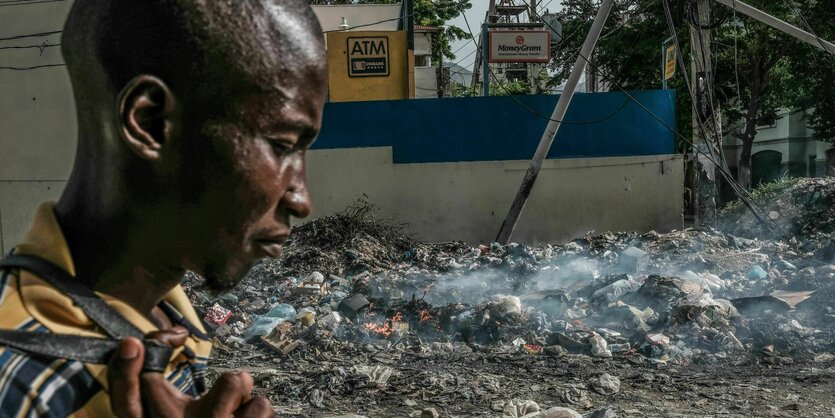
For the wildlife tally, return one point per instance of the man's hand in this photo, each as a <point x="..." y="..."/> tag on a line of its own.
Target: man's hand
<point x="137" y="394"/>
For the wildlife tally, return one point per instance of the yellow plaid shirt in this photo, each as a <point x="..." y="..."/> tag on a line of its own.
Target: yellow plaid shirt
<point x="37" y="386"/>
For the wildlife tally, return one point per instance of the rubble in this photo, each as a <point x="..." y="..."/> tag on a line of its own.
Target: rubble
<point x="605" y="384"/>
<point x="387" y="306"/>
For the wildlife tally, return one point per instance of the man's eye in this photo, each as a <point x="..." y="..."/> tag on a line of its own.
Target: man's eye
<point x="281" y="146"/>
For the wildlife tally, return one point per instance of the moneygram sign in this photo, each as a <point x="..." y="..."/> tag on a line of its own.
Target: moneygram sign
<point x="520" y="46"/>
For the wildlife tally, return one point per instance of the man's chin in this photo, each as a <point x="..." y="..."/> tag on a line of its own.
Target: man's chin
<point x="217" y="281"/>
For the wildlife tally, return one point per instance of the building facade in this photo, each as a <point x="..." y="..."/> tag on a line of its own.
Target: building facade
<point x="786" y="147"/>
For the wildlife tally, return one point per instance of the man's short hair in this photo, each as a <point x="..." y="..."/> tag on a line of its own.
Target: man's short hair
<point x="208" y="45"/>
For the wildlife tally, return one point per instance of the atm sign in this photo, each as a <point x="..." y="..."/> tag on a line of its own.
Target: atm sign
<point x="368" y="56"/>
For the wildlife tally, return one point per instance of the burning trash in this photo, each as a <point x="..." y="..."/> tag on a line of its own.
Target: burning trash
<point x="376" y="315"/>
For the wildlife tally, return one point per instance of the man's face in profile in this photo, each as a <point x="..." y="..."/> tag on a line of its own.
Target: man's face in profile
<point x="258" y="178"/>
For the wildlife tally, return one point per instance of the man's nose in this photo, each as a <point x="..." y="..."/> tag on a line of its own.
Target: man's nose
<point x="297" y="198"/>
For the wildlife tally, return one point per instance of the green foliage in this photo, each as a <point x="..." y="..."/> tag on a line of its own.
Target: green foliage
<point x="512" y="88"/>
<point x="774" y="69"/>
<point x="762" y="195"/>
<point x="460" y="90"/>
<point x="428" y="13"/>
<point x="437" y="13"/>
<point x="629" y="51"/>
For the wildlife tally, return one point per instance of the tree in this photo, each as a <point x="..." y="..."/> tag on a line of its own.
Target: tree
<point x="628" y="52"/>
<point x="774" y="70"/>
<point x="428" y="13"/>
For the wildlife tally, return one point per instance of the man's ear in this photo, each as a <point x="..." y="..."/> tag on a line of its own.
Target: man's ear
<point x="146" y="109"/>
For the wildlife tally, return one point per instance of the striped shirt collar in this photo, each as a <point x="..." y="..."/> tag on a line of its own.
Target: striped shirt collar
<point x="57" y="312"/>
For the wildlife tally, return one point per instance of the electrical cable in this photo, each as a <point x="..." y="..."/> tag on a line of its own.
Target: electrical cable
<point x="26" y="3"/>
<point x="32" y="35"/>
<point x="537" y="114"/>
<point x="743" y="194"/>
<point x="41" y="46"/>
<point x="793" y="7"/>
<point x="736" y="56"/>
<point x="32" y="67"/>
<point x="359" y="26"/>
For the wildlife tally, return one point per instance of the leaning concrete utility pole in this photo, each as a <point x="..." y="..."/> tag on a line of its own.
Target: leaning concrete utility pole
<point x="550" y="133"/>
<point x="780" y="25"/>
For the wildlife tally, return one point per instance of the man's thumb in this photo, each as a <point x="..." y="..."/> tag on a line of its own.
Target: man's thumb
<point x="123" y="377"/>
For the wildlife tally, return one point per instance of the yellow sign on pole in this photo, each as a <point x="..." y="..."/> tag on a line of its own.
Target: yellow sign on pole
<point x="670" y="62"/>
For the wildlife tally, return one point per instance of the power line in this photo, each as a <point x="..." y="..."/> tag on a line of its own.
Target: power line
<point x="41" y="46"/>
<point x="537" y="114"/>
<point x="358" y="26"/>
<point x="32" y="67"/>
<point x="26" y="3"/>
<point x="31" y="35"/>
<point x="743" y="194"/>
<point x="793" y="7"/>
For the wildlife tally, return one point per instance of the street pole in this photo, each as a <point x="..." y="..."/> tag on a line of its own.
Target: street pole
<point x="485" y="59"/>
<point x="509" y="224"/>
<point x="706" y="121"/>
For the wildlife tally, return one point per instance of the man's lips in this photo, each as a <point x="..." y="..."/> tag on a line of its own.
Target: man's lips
<point x="271" y="246"/>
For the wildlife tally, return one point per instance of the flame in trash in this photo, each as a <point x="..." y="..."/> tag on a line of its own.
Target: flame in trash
<point x="424" y="315"/>
<point x="385" y="329"/>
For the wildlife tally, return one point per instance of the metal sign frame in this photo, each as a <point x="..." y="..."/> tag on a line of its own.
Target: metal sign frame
<point x="386" y="59"/>
<point x="545" y="60"/>
<point x="664" y="45"/>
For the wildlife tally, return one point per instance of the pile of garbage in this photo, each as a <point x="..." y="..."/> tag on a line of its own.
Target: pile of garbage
<point x="697" y="295"/>
<point x="799" y="209"/>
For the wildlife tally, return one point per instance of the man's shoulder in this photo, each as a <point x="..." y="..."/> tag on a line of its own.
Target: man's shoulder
<point x="34" y="385"/>
<point x="38" y="386"/>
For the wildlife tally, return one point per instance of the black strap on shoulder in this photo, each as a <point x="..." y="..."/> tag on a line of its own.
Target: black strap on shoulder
<point x="76" y="347"/>
<point x="83" y="349"/>
<point x="113" y="323"/>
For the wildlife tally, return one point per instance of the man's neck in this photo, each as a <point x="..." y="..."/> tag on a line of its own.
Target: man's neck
<point x="112" y="250"/>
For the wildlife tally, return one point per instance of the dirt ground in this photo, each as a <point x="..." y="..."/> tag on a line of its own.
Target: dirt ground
<point x="475" y="385"/>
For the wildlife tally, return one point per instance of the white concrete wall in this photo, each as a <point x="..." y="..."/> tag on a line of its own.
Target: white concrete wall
<point x="330" y="17"/>
<point x="37" y="116"/>
<point x="465" y="201"/>
<point x="468" y="201"/>
<point x="426" y="82"/>
<point x="423" y="43"/>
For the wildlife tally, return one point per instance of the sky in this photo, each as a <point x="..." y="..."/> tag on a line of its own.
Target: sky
<point x="465" y="57"/>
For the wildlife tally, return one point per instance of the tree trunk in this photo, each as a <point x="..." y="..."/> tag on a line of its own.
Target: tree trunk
<point x="751" y="121"/>
<point x="744" y="175"/>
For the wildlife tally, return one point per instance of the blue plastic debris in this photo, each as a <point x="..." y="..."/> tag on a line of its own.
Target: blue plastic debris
<point x="757" y="273"/>
<point x="265" y="323"/>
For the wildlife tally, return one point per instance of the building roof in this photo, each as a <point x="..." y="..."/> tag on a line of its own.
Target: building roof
<point x="421" y="28"/>
<point x="367" y="16"/>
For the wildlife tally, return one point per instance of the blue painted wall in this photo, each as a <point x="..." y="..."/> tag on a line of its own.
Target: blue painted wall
<point x="500" y="128"/>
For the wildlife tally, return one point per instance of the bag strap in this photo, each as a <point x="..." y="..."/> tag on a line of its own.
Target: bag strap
<point x="112" y="322"/>
<point x="76" y="347"/>
<point x="83" y="349"/>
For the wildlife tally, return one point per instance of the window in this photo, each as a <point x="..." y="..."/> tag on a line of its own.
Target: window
<point x="423" y="61"/>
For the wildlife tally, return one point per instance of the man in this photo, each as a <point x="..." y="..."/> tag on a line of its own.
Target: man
<point x="193" y="120"/>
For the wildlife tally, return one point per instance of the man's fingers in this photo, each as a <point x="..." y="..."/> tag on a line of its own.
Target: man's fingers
<point x="256" y="408"/>
<point x="173" y="337"/>
<point x="123" y="377"/>
<point x="162" y="399"/>
<point x="227" y="395"/>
